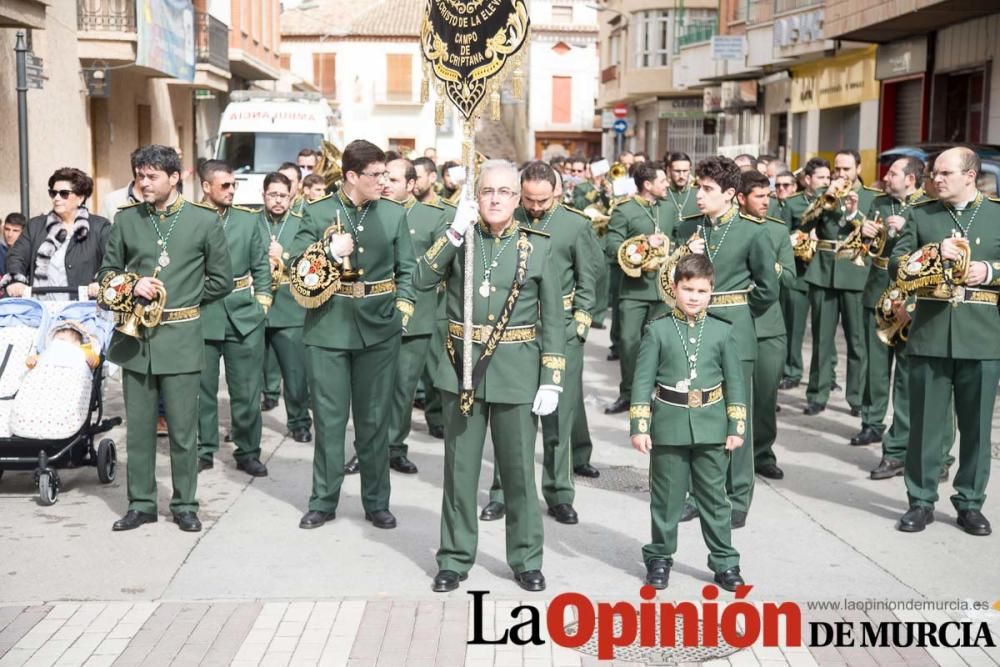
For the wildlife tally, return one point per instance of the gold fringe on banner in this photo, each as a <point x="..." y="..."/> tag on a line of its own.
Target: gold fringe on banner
<point x="517" y="78"/>
<point x="495" y="104"/>
<point x="469" y="131"/>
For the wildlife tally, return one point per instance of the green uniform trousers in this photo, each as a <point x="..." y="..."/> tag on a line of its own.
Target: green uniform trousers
<point x="180" y="397"/>
<point x="272" y="375"/>
<point x="557" y="430"/>
<point x="932" y="379"/>
<point x="827" y="305"/>
<point x="243" y="356"/>
<point x="614" y="290"/>
<point x="286" y="344"/>
<point x="795" y="308"/>
<point x="513" y="430"/>
<point x="767" y="374"/>
<point x="412" y="359"/>
<point x="878" y="370"/>
<point x="355" y="381"/>
<point x="602" y="298"/>
<point x="432" y="397"/>
<point x="634" y="315"/>
<point x="670" y="468"/>
<point x="583" y="446"/>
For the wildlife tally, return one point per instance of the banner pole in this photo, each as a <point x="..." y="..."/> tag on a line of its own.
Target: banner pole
<point x="469" y="193"/>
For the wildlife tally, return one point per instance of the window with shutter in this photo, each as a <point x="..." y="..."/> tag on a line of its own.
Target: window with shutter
<point x="325" y="73"/>
<point x="562" y="95"/>
<point x="399" y="77"/>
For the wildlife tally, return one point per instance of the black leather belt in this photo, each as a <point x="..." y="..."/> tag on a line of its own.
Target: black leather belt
<point x="694" y="398"/>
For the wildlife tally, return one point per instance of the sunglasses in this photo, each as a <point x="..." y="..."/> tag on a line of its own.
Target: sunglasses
<point x="61" y="193"/>
<point x="784" y="185"/>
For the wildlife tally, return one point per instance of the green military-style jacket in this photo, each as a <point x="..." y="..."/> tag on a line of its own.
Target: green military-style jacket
<point x="825" y="269"/>
<point x="774" y="207"/>
<point x="199" y="272"/>
<point x="298" y="203"/>
<point x="630" y="218"/>
<point x="679" y="204"/>
<point x="664" y="355"/>
<point x="382" y="252"/>
<point x="744" y="257"/>
<point x="585" y="194"/>
<point x="772" y="322"/>
<point x="425" y="222"/>
<point x="531" y="353"/>
<point x="244" y="306"/>
<point x="285" y="311"/>
<point x="574" y="254"/>
<point x="791" y="212"/>
<point x="884" y="206"/>
<point x="967" y="330"/>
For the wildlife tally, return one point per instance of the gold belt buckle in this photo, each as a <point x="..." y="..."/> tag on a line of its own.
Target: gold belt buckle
<point x="485" y="332"/>
<point x="957" y="295"/>
<point x="694" y="398"/>
<point x="358" y="290"/>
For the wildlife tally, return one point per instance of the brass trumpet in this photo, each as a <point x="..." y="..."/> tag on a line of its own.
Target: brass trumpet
<point x="145" y="313"/>
<point x="803" y="246"/>
<point x="827" y="201"/>
<point x="889" y="329"/>
<point x="618" y="170"/>
<point x="855" y="247"/>
<point x="636" y="254"/>
<point x="278" y="273"/>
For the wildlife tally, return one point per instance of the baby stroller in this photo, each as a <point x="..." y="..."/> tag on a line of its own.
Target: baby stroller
<point x="44" y="435"/>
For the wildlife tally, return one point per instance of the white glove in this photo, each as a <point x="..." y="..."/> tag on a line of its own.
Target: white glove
<point x="546" y="400"/>
<point x="466" y="214"/>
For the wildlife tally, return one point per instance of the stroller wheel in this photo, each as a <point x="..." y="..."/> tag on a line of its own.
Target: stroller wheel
<point x="107" y="461"/>
<point x="48" y="487"/>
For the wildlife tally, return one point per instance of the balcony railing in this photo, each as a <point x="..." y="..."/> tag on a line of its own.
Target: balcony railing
<point x="609" y="73"/>
<point x="211" y="38"/>
<point x="782" y="6"/>
<point x="105" y="15"/>
<point x="694" y="33"/>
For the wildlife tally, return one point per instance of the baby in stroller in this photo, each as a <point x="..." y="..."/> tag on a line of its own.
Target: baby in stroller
<point x="69" y="343"/>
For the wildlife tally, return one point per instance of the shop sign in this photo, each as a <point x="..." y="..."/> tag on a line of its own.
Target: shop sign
<point x="835" y="82"/>
<point x="739" y="94"/>
<point x="798" y="29"/>
<point x="681" y="107"/>
<point x="907" y="56"/>
<point x="712" y="99"/>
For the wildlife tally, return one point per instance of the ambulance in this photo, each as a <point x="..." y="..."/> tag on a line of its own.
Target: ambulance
<point x="261" y="129"/>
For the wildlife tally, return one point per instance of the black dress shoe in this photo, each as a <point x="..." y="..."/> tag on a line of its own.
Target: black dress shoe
<point x="302" y="435"/>
<point x="493" y="511"/>
<point x="620" y="405"/>
<point x="788" y="383"/>
<point x="598" y="325"/>
<point x="887" y="468"/>
<point x="866" y="436"/>
<point x="436" y="431"/>
<point x="777" y="407"/>
<point x="729" y="579"/>
<point x="447" y="580"/>
<point x="132" y="520"/>
<point x="353" y="467"/>
<point x="835" y="386"/>
<point x="613" y="356"/>
<point x="771" y="471"/>
<point x="530" y="580"/>
<point x="974" y="523"/>
<point x="205" y="464"/>
<point x="188" y="522"/>
<point x="657" y="573"/>
<point x="381" y="519"/>
<point x="916" y="519"/>
<point x="738" y="519"/>
<point x="252" y="467"/>
<point x="943" y="477"/>
<point x="813" y="409"/>
<point x="268" y="404"/>
<point x="855" y="412"/>
<point x="418" y="404"/>
<point x="587" y="470"/>
<point x="228" y="437"/>
<point x="402" y="464"/>
<point x="315" y="518"/>
<point x="564" y="513"/>
<point x="690" y="512"/>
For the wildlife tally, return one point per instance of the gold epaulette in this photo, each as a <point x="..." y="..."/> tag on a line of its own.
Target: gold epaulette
<point x="923" y="201"/>
<point x="530" y="230"/>
<point x="800" y="193"/>
<point x="871" y="189"/>
<point x="295" y="214"/>
<point x="693" y="216"/>
<point x="774" y="219"/>
<point x="575" y="210"/>
<point x="994" y="199"/>
<point x="753" y="218"/>
<point x="326" y="196"/>
<point x="433" y="205"/>
<point x="247" y="209"/>
<point x="210" y="207"/>
<point x="397" y="203"/>
<point x="128" y="205"/>
<point x="445" y="202"/>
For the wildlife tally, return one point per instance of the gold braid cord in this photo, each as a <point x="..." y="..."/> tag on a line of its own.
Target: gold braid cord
<point x="314" y="277"/>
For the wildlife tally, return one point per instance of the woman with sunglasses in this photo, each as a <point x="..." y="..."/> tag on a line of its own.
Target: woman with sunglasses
<point x="62" y="248"/>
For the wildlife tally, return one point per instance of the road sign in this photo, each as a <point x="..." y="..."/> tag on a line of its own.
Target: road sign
<point x="620" y="110"/>
<point x="620" y="126"/>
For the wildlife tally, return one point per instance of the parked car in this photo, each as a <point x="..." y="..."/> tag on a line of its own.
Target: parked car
<point x="989" y="154"/>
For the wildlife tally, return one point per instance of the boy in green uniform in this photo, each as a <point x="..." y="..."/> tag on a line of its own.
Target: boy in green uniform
<point x="285" y="320"/>
<point x="573" y="255"/>
<point x="234" y="329"/>
<point x="169" y="244"/>
<point x="953" y="345"/>
<point x="754" y="198"/>
<point x="354" y="321"/>
<point x="638" y="300"/>
<point x="795" y="297"/>
<point x="690" y="370"/>
<point x="518" y="365"/>
<point x="746" y="284"/>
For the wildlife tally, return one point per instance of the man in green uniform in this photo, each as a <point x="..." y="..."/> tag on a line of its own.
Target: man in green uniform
<point x="836" y="285"/>
<point x="639" y="302"/>
<point x="795" y="297"/>
<point x="353" y="327"/>
<point x="690" y="360"/>
<point x="283" y="332"/>
<point x="754" y="197"/>
<point x="425" y="222"/>
<point x="572" y="254"/>
<point x="588" y="189"/>
<point x="680" y="196"/>
<point x="954" y="343"/>
<point x="234" y="329"/>
<point x="517" y="317"/>
<point x="746" y="285"/>
<point x="293" y="173"/>
<point x="164" y="244"/>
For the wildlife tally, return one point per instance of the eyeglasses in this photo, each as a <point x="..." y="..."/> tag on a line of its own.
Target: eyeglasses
<point x="784" y="185"/>
<point x="944" y="173"/>
<point x="502" y="194"/>
<point x="377" y="175"/>
<point x="60" y="193"/>
<point x="276" y="195"/>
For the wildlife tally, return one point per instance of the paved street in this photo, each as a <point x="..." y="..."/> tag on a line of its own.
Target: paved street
<point x="253" y="588"/>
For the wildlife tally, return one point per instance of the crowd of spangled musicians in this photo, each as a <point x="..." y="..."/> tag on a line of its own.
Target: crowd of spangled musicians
<point x="345" y="294"/>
